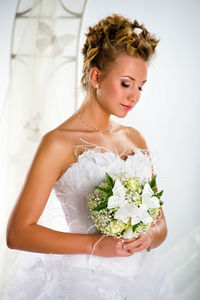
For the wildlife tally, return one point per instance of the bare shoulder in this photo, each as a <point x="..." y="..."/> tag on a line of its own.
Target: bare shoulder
<point x="56" y="140"/>
<point x="57" y="146"/>
<point x="136" y="138"/>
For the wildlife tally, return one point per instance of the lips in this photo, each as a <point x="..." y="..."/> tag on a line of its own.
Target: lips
<point x="126" y="106"/>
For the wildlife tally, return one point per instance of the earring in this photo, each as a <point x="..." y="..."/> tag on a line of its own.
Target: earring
<point x="97" y="85"/>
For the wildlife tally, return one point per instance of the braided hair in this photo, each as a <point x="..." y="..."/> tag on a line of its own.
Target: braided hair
<point x="111" y="37"/>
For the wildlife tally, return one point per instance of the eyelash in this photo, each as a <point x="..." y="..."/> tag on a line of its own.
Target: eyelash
<point x="125" y="85"/>
<point x="128" y="85"/>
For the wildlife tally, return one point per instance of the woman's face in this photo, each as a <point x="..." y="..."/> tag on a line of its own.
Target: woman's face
<point x="122" y="85"/>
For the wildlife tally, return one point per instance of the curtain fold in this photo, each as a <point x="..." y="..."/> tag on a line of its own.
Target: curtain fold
<point x="43" y="92"/>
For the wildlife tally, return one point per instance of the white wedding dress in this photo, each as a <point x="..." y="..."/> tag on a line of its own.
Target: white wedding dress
<point x="79" y="276"/>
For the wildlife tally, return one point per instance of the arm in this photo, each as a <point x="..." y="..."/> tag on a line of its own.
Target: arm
<point x="52" y="158"/>
<point x="157" y="233"/>
<point x="23" y="232"/>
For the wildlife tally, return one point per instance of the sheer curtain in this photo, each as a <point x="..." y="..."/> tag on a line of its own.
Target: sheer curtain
<point x="43" y="91"/>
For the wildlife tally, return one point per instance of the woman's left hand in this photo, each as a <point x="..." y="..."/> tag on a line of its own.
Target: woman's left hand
<point x="137" y="244"/>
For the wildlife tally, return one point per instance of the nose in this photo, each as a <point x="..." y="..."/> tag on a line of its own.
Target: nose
<point x="134" y="94"/>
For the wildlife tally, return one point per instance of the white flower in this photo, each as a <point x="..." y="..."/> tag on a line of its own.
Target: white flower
<point x="132" y="203"/>
<point x="118" y="197"/>
<point x="129" y="234"/>
<point x="147" y="200"/>
<point x="137" y="214"/>
<point x="137" y="30"/>
<point x="126" y="209"/>
<point x="116" y="226"/>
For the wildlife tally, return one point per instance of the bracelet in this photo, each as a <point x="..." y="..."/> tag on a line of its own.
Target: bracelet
<point x="148" y="249"/>
<point x="94" y="246"/>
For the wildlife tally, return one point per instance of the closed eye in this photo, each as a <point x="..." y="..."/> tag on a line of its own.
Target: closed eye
<point x="128" y="85"/>
<point x="125" y="85"/>
<point x="133" y="79"/>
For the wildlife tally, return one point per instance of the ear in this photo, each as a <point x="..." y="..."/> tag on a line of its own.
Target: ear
<point x="94" y="77"/>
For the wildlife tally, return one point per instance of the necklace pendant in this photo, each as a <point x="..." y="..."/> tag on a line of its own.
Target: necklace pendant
<point x="95" y="129"/>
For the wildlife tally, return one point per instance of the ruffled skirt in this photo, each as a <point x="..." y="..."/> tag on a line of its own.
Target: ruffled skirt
<point x="79" y="277"/>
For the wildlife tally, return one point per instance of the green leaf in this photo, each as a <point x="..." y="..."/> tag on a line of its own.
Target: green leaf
<point x="154" y="189"/>
<point x="152" y="183"/>
<point x="110" y="180"/>
<point x="161" y="202"/>
<point x="160" y="193"/>
<point x="134" y="227"/>
<point x="104" y="191"/>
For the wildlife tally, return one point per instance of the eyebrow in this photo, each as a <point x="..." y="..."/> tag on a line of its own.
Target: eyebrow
<point x="132" y="78"/>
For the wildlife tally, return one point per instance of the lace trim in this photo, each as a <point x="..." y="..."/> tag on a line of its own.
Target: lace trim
<point x="97" y="148"/>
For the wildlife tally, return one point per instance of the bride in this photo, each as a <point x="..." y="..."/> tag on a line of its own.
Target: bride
<point x="82" y="263"/>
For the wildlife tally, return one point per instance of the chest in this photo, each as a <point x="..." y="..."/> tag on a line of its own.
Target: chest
<point x="118" y="143"/>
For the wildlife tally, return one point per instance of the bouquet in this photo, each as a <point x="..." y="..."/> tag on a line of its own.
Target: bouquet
<point x="124" y="205"/>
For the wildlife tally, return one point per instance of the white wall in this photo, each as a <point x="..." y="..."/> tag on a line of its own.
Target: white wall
<point x="7" y="12"/>
<point x="167" y="114"/>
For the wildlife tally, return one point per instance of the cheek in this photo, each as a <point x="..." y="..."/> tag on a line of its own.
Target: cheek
<point x="113" y="91"/>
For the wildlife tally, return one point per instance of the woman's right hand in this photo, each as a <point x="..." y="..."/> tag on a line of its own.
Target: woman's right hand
<point x="109" y="246"/>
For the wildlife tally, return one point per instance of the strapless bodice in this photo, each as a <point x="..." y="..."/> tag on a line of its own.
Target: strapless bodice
<point x="86" y="276"/>
<point x="74" y="186"/>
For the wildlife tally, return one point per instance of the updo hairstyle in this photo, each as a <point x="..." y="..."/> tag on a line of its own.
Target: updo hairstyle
<point x="111" y="37"/>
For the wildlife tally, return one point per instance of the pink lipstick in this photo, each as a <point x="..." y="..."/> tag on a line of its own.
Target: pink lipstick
<point x="127" y="107"/>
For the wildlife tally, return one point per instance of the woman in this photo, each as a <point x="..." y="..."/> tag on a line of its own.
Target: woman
<point x="115" y="67"/>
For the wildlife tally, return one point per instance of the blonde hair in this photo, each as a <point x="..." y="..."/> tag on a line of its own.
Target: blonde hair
<point x="111" y="37"/>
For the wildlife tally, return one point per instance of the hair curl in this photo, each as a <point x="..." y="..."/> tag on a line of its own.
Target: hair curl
<point x="111" y="37"/>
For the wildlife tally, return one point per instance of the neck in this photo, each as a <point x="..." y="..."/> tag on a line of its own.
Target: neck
<point x="94" y="114"/>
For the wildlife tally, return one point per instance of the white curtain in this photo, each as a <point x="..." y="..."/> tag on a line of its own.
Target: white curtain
<point x="43" y="92"/>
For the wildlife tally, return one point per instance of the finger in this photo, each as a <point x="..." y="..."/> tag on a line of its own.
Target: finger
<point x="139" y="238"/>
<point x="118" y="245"/>
<point x="130" y="240"/>
<point x="133" y="244"/>
<point x="128" y="250"/>
<point x="141" y="247"/>
<point x="126" y="253"/>
<point x="122" y="252"/>
<point x="137" y="246"/>
<point x="138" y="241"/>
<point x="142" y="237"/>
<point x="120" y="241"/>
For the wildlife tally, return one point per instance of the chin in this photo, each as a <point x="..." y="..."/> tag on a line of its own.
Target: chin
<point x="120" y="115"/>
